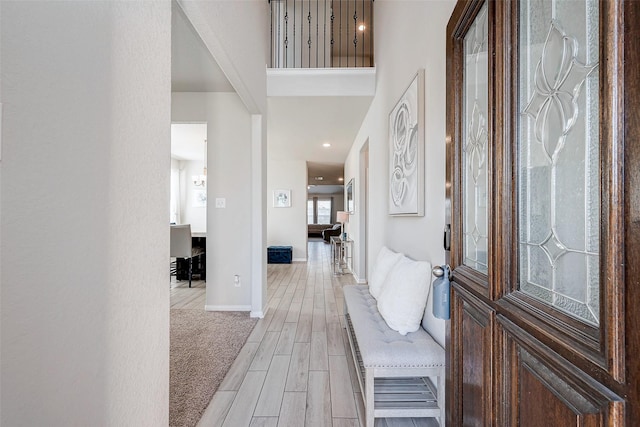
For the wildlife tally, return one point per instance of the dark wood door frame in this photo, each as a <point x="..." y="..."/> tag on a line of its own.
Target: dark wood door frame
<point x="521" y="342"/>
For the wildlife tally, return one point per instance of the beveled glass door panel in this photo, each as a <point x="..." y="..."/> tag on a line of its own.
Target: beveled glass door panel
<point x="558" y="152"/>
<point x="475" y="136"/>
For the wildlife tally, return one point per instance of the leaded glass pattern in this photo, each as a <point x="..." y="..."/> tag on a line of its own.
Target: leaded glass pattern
<point x="475" y="137"/>
<point x="558" y="152"/>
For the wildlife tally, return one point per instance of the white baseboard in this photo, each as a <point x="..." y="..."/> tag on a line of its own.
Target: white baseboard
<point x="260" y="313"/>
<point x="299" y="260"/>
<point x="227" y="307"/>
<point x="359" y="280"/>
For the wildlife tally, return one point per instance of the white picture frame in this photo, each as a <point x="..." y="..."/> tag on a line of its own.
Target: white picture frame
<point x="406" y="151"/>
<point x="200" y="198"/>
<point x="281" y="198"/>
<point x="350" y="205"/>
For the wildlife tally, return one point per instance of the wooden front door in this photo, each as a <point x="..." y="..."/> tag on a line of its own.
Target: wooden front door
<point x="543" y="185"/>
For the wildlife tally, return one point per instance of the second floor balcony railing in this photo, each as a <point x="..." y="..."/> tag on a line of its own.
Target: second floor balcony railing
<point x="321" y="33"/>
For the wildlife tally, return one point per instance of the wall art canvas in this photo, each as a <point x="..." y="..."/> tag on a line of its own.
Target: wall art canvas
<point x="282" y="198"/>
<point x="406" y="151"/>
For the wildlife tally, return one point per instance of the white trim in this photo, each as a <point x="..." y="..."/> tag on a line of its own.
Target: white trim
<point x="227" y="308"/>
<point x="258" y="214"/>
<point x="299" y="260"/>
<point x="359" y="280"/>
<point x="359" y="81"/>
<point x="326" y="71"/>
<point x="259" y="313"/>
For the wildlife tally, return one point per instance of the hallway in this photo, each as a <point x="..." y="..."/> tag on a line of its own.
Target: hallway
<point x="295" y="369"/>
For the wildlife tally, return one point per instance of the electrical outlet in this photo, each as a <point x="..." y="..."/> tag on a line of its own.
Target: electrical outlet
<point x="221" y="202"/>
<point x="236" y="280"/>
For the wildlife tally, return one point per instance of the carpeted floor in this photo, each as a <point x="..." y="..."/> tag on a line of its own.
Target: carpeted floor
<point x="203" y="347"/>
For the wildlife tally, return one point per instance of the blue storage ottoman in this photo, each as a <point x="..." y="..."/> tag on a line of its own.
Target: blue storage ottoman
<point x="279" y="254"/>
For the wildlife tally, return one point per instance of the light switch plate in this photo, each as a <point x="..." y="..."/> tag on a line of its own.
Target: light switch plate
<point x="221" y="202"/>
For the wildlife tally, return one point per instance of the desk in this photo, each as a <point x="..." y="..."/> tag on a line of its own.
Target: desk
<point x="199" y="267"/>
<point x="341" y="255"/>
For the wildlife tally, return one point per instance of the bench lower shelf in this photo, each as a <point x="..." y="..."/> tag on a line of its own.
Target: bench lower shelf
<point x="397" y="396"/>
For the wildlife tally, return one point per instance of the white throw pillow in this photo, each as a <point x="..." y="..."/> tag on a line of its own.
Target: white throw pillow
<point x="384" y="263"/>
<point x="404" y="296"/>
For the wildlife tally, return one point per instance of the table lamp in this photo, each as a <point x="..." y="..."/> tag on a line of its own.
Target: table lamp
<point x="342" y="217"/>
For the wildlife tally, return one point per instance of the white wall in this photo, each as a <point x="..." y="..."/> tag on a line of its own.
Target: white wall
<point x="288" y="226"/>
<point x="190" y="214"/>
<point x="338" y="204"/>
<point x="236" y="32"/>
<point x="85" y="243"/>
<point x="420" y="28"/>
<point x="229" y="139"/>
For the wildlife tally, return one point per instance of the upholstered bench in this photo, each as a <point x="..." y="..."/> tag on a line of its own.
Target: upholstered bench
<point x="396" y="372"/>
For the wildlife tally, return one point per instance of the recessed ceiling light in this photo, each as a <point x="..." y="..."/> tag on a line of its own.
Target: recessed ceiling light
<point x="361" y="27"/>
<point x="319" y="178"/>
<point x="341" y="179"/>
<point x="326" y="145"/>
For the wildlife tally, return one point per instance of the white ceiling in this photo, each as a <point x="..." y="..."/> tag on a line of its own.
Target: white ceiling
<point x="193" y="69"/>
<point x="297" y="126"/>
<point x="187" y="141"/>
<point x="325" y="189"/>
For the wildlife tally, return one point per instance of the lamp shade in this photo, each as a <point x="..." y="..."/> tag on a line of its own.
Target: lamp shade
<point x="342" y="217"/>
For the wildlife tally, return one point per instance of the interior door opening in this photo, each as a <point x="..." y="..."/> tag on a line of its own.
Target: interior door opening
<point x="188" y="201"/>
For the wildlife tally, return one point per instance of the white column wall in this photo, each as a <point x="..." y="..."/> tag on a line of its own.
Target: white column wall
<point x="229" y="177"/>
<point x="258" y="216"/>
<point x="85" y="189"/>
<point x="420" y="28"/>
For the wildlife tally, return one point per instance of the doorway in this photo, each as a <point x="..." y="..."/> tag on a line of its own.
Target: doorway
<point x="188" y="206"/>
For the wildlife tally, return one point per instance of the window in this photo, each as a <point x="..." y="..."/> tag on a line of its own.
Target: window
<point x="319" y="210"/>
<point x="324" y="211"/>
<point x="310" y="212"/>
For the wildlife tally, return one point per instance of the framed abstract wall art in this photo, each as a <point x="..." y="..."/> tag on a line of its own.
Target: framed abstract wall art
<point x="406" y="151"/>
<point x="282" y="198"/>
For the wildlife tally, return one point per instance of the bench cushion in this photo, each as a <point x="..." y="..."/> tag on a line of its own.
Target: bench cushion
<point x="382" y="347"/>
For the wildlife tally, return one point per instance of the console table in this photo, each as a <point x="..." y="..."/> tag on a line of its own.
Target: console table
<point x="341" y="255"/>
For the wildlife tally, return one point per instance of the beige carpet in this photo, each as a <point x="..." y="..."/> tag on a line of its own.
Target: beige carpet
<point x="203" y="347"/>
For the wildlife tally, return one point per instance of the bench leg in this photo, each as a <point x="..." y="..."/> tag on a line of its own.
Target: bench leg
<point x="369" y="403"/>
<point x="441" y="399"/>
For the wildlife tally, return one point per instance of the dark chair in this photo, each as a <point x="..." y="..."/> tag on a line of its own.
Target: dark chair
<point x="333" y="231"/>
<point x="181" y="246"/>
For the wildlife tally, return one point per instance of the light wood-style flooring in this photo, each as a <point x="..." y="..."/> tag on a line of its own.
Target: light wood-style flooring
<point x="183" y="296"/>
<point x="295" y="369"/>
